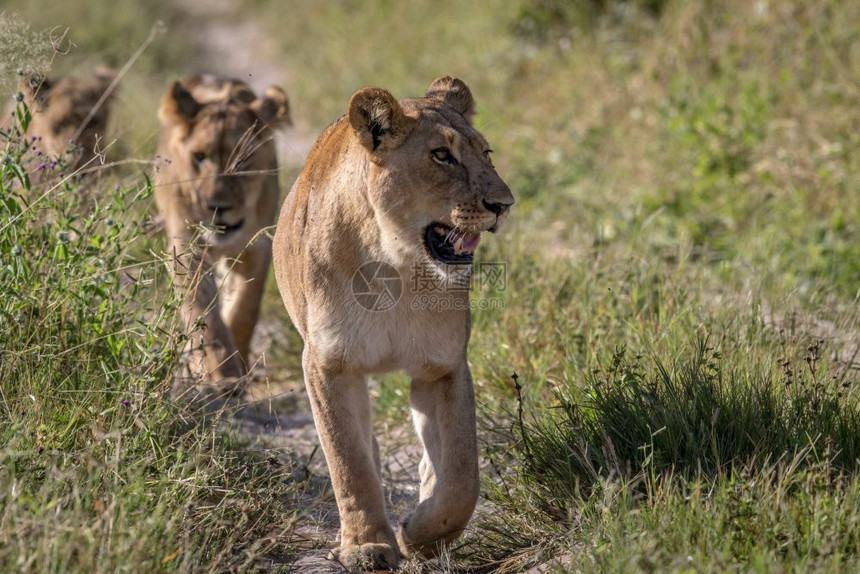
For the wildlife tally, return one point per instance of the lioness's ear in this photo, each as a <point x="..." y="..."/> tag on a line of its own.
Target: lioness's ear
<point x="273" y="108"/>
<point x="34" y="85"/>
<point x="378" y="119"/>
<point x="178" y="104"/>
<point x="455" y="93"/>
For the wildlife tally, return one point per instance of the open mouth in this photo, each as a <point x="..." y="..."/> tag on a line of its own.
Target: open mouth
<point x="222" y="228"/>
<point x="449" y="245"/>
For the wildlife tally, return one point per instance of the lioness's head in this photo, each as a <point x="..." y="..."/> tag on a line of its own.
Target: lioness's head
<point x="69" y="114"/>
<point x="432" y="183"/>
<point x="221" y="154"/>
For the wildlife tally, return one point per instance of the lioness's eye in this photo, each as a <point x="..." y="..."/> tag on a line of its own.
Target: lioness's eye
<point x="198" y="157"/>
<point x="443" y="154"/>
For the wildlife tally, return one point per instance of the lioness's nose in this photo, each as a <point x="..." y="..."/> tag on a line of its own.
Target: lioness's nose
<point x="498" y="208"/>
<point x="218" y="204"/>
<point x="219" y="198"/>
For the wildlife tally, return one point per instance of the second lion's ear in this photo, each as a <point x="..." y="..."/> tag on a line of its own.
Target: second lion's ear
<point x="378" y="120"/>
<point x="178" y="104"/>
<point x="35" y="86"/>
<point x="273" y="108"/>
<point x="455" y="93"/>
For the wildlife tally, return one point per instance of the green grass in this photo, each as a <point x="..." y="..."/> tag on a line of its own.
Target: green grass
<point x="680" y="306"/>
<point x="658" y="439"/>
<point x="100" y="471"/>
<point x="777" y="515"/>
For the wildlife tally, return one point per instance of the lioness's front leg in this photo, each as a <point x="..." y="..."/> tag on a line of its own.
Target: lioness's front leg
<point x="443" y="410"/>
<point x="242" y="293"/>
<point x="212" y="351"/>
<point x="341" y="409"/>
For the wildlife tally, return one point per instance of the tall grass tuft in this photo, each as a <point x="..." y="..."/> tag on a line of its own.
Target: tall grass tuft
<point x="697" y="417"/>
<point x="642" y="434"/>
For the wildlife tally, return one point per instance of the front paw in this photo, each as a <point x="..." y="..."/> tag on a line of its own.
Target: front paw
<point x="428" y="547"/>
<point x="367" y="557"/>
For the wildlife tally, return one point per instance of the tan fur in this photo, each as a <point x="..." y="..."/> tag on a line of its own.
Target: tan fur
<point x="217" y="167"/>
<point x="369" y="189"/>
<point x="68" y="120"/>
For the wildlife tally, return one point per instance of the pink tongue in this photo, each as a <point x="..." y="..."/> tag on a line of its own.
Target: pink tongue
<point x="470" y="241"/>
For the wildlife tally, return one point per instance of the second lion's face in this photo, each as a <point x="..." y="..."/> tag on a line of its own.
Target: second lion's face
<point x="226" y="157"/>
<point x="221" y="153"/>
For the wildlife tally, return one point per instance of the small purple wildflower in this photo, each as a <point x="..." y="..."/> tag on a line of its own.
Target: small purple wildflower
<point x="126" y="403"/>
<point x="23" y="412"/>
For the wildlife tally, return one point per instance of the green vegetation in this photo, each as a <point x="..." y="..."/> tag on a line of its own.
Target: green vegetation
<point x="681" y="297"/>
<point x="99" y="471"/>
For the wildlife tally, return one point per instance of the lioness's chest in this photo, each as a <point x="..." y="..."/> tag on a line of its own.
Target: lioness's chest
<point x="400" y="338"/>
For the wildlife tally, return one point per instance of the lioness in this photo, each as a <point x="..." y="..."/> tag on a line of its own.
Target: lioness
<point x="69" y="115"/>
<point x="390" y="192"/>
<point x="216" y="187"/>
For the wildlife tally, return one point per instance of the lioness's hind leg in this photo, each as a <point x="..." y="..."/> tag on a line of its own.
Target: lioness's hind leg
<point x="444" y="414"/>
<point x="341" y="410"/>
